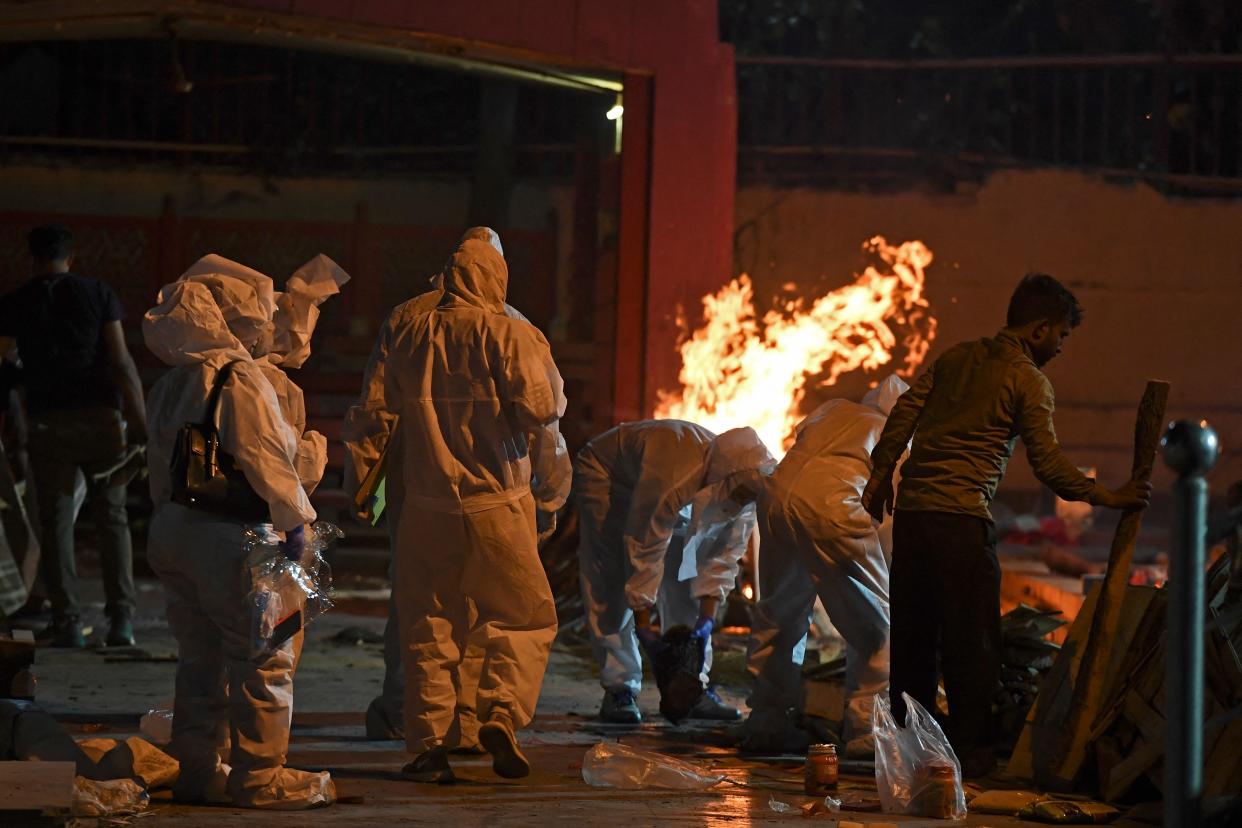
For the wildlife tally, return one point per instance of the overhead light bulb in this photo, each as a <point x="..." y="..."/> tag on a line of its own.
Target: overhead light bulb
<point x="615" y="113"/>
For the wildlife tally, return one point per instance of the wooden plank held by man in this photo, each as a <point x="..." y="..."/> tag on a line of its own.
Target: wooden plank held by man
<point x="1055" y="740"/>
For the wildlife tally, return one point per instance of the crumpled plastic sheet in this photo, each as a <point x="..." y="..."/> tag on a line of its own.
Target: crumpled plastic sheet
<point x="135" y="758"/>
<point x="156" y="724"/>
<point x="614" y="765"/>
<point x="112" y="797"/>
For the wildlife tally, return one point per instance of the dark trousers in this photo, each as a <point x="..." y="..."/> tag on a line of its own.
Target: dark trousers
<point x="944" y="594"/>
<point x="62" y="443"/>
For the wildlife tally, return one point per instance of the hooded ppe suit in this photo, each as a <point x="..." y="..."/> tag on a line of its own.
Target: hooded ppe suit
<point x="366" y="431"/>
<point x="818" y="540"/>
<point x="475" y="451"/>
<point x="221" y="312"/>
<point x="631" y="485"/>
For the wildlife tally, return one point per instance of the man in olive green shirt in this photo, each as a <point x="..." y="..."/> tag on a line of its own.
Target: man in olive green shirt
<point x="964" y="414"/>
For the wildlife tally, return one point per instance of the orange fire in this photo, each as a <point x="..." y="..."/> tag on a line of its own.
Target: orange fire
<point x="737" y="371"/>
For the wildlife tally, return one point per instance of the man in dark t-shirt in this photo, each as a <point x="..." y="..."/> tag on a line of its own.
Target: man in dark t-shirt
<point x="85" y="408"/>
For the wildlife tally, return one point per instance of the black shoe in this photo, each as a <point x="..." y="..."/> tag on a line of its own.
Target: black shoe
<point x="66" y="634"/>
<point x="498" y="739"/>
<point x="978" y="763"/>
<point x="710" y="706"/>
<point x="432" y="766"/>
<point x="379" y="728"/>
<point x="120" y="633"/>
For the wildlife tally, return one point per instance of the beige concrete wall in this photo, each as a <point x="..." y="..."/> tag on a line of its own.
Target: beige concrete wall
<point x="1160" y="278"/>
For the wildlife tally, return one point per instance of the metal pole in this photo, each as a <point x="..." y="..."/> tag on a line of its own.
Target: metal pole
<point x="1190" y="449"/>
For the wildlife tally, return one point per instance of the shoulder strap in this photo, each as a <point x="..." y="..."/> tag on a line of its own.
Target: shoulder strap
<point x="213" y="398"/>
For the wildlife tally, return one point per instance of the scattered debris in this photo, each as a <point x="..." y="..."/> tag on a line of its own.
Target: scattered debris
<point x="614" y="765"/>
<point x="1026" y="656"/>
<point x="355" y="636"/>
<point x="107" y="798"/>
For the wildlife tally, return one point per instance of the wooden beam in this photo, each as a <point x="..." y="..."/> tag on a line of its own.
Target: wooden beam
<point x="35" y="786"/>
<point x="1092" y="675"/>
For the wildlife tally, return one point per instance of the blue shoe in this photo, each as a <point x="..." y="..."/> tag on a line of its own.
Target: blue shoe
<point x="619" y="707"/>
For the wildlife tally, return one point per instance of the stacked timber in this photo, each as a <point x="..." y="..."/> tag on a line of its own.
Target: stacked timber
<point x="1124" y="747"/>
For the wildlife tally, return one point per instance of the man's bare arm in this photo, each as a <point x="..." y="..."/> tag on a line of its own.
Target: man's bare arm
<point x="125" y="375"/>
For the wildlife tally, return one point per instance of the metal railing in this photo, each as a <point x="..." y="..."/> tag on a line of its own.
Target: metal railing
<point x="1174" y="118"/>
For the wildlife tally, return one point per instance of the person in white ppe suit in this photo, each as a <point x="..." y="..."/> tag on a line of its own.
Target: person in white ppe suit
<point x="220" y="313"/>
<point x="368" y="425"/>
<point x="637" y="552"/>
<point x="819" y="541"/>
<point x="476" y="451"/>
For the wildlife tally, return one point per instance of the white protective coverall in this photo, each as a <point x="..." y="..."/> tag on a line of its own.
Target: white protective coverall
<point x="368" y="425"/>
<point x="227" y="702"/>
<point x="475" y="452"/>
<point x="818" y="540"/>
<point x="631" y="485"/>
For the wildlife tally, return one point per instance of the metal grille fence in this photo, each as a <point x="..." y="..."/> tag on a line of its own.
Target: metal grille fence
<point x="1173" y="118"/>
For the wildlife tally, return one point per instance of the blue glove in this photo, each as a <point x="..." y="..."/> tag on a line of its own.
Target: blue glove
<point x="703" y="627"/>
<point x="294" y="543"/>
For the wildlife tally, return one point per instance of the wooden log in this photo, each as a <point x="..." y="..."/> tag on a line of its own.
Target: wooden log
<point x="1092" y="676"/>
<point x="36" y="786"/>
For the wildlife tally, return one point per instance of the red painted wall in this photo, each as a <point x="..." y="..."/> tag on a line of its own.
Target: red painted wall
<point x="692" y="127"/>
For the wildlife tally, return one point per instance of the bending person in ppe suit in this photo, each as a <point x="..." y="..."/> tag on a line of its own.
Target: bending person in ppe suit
<point x="637" y="551"/>
<point x="368" y="425"/>
<point x="227" y="701"/>
<point x="475" y="453"/>
<point x="819" y="541"/>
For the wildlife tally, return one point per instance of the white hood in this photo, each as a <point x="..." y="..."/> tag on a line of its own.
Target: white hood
<point x="884" y="396"/>
<point x="219" y="306"/>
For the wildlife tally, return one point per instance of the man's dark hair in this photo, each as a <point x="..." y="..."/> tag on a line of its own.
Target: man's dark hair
<point x="1039" y="296"/>
<point x="50" y="243"/>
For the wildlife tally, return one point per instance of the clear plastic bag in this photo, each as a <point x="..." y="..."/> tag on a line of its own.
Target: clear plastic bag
<point x="916" y="771"/>
<point x="112" y="797"/>
<point x="156" y="724"/>
<point x="614" y="765"/>
<point x="287" y="595"/>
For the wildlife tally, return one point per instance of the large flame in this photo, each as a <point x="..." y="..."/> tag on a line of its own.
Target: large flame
<point x="736" y="371"/>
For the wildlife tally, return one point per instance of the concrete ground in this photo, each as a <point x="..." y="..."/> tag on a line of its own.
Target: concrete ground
<point x="102" y="693"/>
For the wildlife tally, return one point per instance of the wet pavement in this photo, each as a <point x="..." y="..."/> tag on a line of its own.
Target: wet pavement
<point x="102" y="693"/>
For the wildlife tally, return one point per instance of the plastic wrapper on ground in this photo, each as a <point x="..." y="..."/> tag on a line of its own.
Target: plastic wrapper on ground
<point x="113" y="797"/>
<point x="905" y="759"/>
<point x="287" y="595"/>
<point x="613" y="765"/>
<point x="134" y="758"/>
<point x="156" y="725"/>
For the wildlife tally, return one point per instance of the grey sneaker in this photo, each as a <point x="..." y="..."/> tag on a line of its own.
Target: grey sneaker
<point x="432" y="767"/>
<point x="711" y="706"/>
<point x="498" y="739"/>
<point x="619" y="707"/>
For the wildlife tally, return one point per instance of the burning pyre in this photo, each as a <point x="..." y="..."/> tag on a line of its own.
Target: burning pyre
<point x="738" y="370"/>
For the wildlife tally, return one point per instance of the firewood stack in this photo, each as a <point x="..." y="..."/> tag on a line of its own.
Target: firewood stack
<point x="1130" y="745"/>
<point x="1124" y="754"/>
